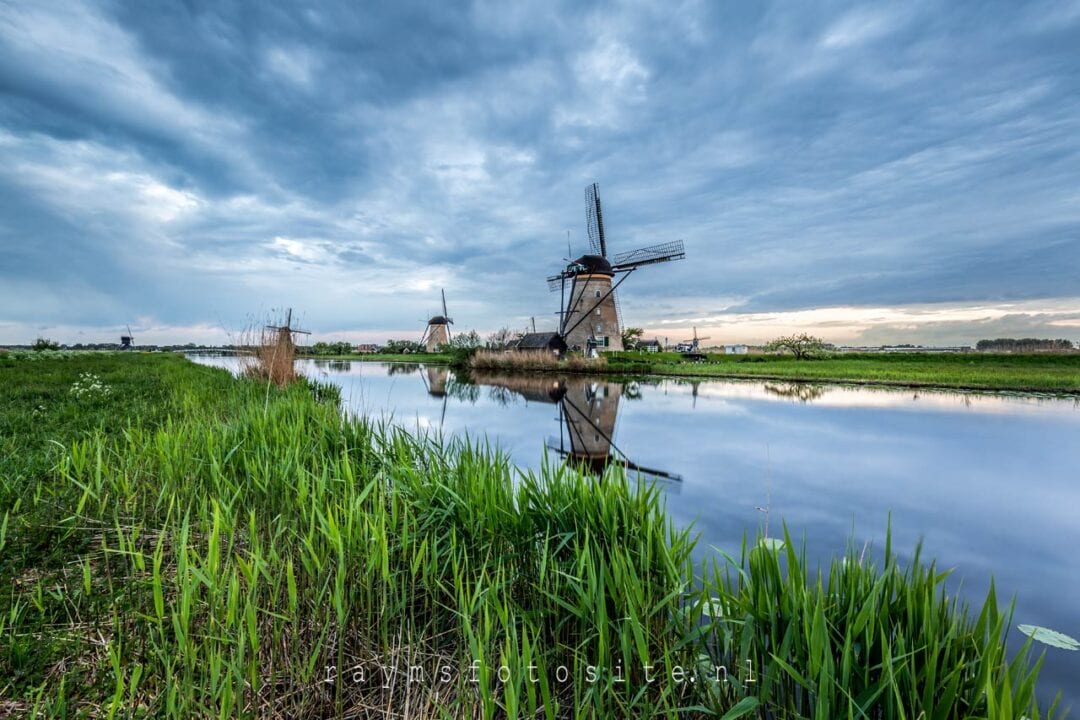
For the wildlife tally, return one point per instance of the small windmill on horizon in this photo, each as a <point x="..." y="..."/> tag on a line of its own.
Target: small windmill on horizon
<point x="591" y="319"/>
<point x="699" y="339"/>
<point x="693" y="344"/>
<point x="284" y="333"/>
<point x="437" y="333"/>
<point x="127" y="342"/>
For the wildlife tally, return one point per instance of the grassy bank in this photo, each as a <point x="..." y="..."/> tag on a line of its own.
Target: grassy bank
<point x="973" y="371"/>
<point x="428" y="358"/>
<point x="181" y="544"/>
<point x="1043" y="373"/>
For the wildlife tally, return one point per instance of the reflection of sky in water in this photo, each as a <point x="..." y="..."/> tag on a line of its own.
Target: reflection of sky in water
<point x="988" y="482"/>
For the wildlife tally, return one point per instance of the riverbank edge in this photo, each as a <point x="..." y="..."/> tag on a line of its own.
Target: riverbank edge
<point x="672" y="371"/>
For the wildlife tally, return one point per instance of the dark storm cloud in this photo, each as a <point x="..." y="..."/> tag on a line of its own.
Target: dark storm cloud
<point x="186" y="162"/>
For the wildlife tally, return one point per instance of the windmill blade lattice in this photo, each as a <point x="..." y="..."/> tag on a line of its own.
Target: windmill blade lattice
<point x="649" y="255"/>
<point x="594" y="221"/>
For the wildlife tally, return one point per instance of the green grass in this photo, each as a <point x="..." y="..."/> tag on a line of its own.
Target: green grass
<point x="40" y="414"/>
<point x="1051" y="373"/>
<point x="190" y="545"/>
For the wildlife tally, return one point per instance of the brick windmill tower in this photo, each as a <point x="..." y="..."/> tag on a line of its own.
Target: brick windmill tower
<point x="437" y="333"/>
<point x="591" y="321"/>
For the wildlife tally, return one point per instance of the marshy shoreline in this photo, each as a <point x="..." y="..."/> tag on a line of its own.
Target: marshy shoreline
<point x="1054" y="375"/>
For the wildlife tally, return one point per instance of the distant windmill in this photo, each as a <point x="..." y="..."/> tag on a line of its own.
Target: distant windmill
<point x="591" y="319"/>
<point x="286" y="331"/>
<point x="691" y="347"/>
<point x="696" y="340"/>
<point x="437" y="333"/>
<point x="127" y="342"/>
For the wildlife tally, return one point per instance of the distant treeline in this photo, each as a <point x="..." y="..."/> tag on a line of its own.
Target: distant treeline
<point x="328" y="348"/>
<point x="1023" y="345"/>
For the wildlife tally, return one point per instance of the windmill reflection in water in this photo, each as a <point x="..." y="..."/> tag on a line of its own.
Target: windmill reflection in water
<point x="588" y="411"/>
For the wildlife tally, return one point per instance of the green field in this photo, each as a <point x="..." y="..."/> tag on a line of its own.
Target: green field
<point x="1048" y="373"/>
<point x="178" y="543"/>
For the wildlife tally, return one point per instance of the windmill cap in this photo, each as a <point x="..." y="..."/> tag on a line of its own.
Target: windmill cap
<point x="439" y="320"/>
<point x="595" y="264"/>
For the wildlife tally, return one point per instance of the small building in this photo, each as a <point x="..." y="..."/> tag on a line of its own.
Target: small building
<point x="736" y="349"/>
<point x="650" y="345"/>
<point x="366" y="349"/>
<point x="550" y="341"/>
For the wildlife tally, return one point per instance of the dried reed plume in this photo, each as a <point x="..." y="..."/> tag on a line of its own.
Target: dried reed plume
<point x="270" y="353"/>
<point x="533" y="360"/>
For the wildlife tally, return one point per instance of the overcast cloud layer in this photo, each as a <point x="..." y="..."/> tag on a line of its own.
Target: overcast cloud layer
<point x="901" y="172"/>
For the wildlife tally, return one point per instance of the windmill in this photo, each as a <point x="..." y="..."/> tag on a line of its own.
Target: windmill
<point x="690" y="349"/>
<point x="127" y="342"/>
<point x="437" y="333"/>
<point x="698" y="339"/>
<point x="284" y="333"/>
<point x="590" y="319"/>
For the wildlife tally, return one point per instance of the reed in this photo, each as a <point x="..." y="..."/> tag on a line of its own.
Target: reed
<point x="271" y="356"/>
<point x="861" y="637"/>
<point x="255" y="555"/>
<point x="532" y="361"/>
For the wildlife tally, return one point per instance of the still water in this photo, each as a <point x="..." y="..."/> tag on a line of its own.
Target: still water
<point x="989" y="483"/>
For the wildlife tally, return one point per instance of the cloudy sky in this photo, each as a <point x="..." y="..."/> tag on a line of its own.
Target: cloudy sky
<point x="903" y="172"/>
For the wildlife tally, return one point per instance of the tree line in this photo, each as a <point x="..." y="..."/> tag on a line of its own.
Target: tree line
<point x="1024" y="345"/>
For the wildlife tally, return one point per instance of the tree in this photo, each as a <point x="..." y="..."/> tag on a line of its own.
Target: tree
<point x="631" y="336"/>
<point x="462" y="347"/>
<point x="800" y="345"/>
<point x="466" y="341"/>
<point x="502" y="338"/>
<point x="331" y="348"/>
<point x="43" y="343"/>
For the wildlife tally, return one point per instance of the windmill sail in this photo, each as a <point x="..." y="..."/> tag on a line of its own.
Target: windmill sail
<point x="287" y="327"/>
<point x="650" y="255"/>
<point x="594" y="221"/>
